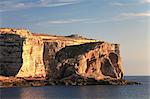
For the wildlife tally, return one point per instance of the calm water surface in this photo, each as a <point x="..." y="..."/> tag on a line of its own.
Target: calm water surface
<point x="82" y="92"/>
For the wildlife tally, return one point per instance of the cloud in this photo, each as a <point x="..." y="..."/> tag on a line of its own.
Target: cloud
<point x="10" y="5"/>
<point x="146" y="1"/>
<point x="122" y="17"/>
<point x="117" y="4"/>
<point x="63" y="21"/>
<point x="144" y="14"/>
<point x="130" y="3"/>
<point x="130" y="16"/>
<point x="124" y="4"/>
<point x="67" y="21"/>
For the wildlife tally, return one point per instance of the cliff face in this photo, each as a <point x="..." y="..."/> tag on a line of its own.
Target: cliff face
<point x="93" y="60"/>
<point x="11" y="48"/>
<point x="24" y="54"/>
<point x="28" y="54"/>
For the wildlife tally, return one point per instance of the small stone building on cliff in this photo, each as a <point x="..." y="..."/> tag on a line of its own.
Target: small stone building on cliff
<point x="26" y="54"/>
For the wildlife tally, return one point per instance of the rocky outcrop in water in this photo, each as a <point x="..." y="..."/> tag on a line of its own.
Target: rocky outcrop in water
<point x="29" y="55"/>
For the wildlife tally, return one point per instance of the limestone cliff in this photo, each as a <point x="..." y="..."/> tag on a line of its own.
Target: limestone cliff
<point x="26" y="54"/>
<point x="93" y="60"/>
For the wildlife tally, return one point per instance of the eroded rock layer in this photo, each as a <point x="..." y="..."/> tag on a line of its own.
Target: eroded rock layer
<point x="25" y="54"/>
<point x="93" y="60"/>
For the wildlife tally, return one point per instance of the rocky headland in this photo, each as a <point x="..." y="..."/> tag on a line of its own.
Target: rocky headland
<point x="32" y="59"/>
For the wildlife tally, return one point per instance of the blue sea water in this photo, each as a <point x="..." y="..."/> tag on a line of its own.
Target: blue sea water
<point x="82" y="92"/>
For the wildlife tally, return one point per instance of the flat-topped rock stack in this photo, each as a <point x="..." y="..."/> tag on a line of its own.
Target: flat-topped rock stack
<point x="25" y="54"/>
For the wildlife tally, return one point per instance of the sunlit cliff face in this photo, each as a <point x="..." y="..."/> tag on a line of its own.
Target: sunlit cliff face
<point x="93" y="60"/>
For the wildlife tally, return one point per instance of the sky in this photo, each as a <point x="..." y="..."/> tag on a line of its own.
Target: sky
<point x="119" y="21"/>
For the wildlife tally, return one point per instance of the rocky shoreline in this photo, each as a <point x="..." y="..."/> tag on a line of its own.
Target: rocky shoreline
<point x="75" y="81"/>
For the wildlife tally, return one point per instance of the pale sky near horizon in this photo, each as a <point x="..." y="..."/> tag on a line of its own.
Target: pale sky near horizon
<point x="121" y="21"/>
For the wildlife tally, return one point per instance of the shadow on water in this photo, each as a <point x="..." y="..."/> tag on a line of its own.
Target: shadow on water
<point x="11" y="48"/>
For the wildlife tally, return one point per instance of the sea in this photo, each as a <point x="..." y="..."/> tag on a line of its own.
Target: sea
<point x="82" y="92"/>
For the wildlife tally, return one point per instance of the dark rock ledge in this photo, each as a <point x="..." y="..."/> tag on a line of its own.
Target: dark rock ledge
<point x="72" y="80"/>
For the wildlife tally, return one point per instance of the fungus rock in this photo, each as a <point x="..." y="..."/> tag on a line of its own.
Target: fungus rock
<point x="26" y="54"/>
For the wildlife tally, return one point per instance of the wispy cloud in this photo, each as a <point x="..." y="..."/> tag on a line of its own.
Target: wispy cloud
<point x="64" y="21"/>
<point x="130" y="16"/>
<point x="119" y="17"/>
<point x="145" y="1"/>
<point x="10" y="5"/>
<point x="118" y="4"/>
<point x="131" y="3"/>
<point x="67" y="21"/>
<point x="122" y="17"/>
<point x="144" y="14"/>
